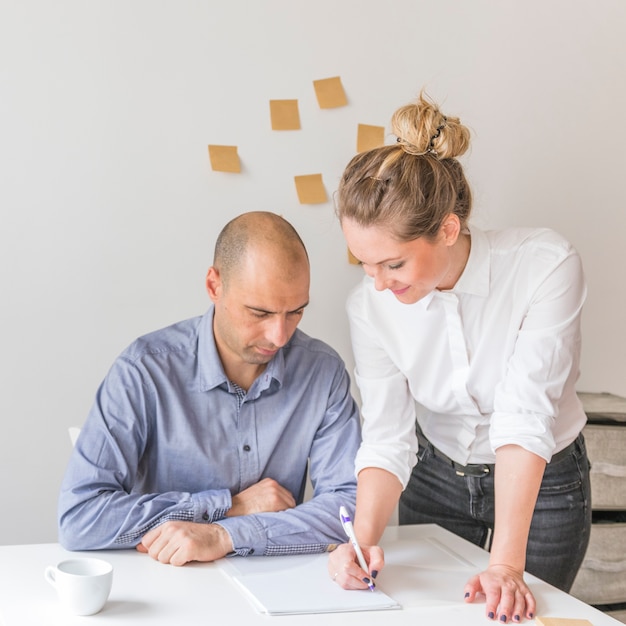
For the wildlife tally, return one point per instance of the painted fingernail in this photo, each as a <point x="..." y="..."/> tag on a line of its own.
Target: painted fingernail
<point x="490" y="615"/>
<point x="374" y="573"/>
<point x="366" y="580"/>
<point x="467" y="594"/>
<point x="516" y="618"/>
<point x="531" y="615"/>
<point x="503" y="619"/>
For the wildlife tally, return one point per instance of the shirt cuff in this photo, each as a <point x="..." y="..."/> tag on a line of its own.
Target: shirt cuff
<point x="247" y="535"/>
<point x="210" y="506"/>
<point x="531" y="431"/>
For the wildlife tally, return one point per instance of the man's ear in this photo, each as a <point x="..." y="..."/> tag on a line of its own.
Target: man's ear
<point x="451" y="229"/>
<point x="213" y="283"/>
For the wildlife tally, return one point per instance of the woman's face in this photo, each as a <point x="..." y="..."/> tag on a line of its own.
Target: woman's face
<point x="409" y="269"/>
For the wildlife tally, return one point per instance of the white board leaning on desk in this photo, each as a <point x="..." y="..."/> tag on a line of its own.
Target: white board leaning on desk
<point x="426" y="571"/>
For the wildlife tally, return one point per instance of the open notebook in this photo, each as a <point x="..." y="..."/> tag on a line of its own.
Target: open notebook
<point x="284" y="585"/>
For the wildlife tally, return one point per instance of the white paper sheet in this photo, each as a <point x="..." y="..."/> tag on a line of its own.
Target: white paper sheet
<point x="287" y="585"/>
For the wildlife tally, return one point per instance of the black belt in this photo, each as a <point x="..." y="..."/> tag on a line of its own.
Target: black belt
<point x="481" y="469"/>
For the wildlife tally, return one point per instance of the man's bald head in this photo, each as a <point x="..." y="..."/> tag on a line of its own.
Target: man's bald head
<point x="257" y="232"/>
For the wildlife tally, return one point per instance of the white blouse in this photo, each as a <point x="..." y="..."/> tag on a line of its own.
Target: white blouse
<point x="493" y="361"/>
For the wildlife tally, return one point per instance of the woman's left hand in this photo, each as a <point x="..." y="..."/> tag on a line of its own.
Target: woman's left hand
<point x="508" y="598"/>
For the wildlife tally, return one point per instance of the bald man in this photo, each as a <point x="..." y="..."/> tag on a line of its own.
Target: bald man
<point x="201" y="434"/>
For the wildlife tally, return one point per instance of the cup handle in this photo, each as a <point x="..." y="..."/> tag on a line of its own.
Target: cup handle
<point x="49" y="575"/>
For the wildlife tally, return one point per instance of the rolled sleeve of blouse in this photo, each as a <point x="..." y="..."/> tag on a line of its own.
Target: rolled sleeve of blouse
<point x="542" y="370"/>
<point x="388" y="408"/>
<point x="389" y="444"/>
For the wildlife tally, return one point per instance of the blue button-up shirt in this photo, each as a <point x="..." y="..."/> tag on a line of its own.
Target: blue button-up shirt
<point x="171" y="438"/>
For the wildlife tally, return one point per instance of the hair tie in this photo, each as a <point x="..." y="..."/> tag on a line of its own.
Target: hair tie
<point x="431" y="143"/>
<point x="412" y="149"/>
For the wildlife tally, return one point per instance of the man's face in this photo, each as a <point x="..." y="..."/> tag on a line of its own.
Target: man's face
<point x="259" y="308"/>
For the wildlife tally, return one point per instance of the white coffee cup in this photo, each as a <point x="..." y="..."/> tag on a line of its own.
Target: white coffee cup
<point x="83" y="585"/>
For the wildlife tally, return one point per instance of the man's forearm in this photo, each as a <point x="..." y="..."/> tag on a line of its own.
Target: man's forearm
<point x="89" y="520"/>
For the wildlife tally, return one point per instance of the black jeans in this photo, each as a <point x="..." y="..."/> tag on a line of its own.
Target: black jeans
<point x="559" y="531"/>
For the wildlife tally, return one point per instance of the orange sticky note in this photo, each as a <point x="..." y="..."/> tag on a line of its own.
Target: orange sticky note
<point x="285" y="114"/>
<point x="224" y="158"/>
<point x="330" y="93"/>
<point x="562" y="621"/>
<point x="310" y="189"/>
<point x="369" y="137"/>
<point x="352" y="259"/>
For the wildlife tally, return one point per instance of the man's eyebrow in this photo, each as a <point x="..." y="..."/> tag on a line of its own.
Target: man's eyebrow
<point x="259" y="310"/>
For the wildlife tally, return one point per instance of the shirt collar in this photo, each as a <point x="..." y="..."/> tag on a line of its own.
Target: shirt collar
<point x="476" y="275"/>
<point x="210" y="370"/>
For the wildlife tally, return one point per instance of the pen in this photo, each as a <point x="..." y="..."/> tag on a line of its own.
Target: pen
<point x="347" y="526"/>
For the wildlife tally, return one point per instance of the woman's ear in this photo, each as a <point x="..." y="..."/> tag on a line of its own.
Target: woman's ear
<point x="213" y="283"/>
<point x="451" y="229"/>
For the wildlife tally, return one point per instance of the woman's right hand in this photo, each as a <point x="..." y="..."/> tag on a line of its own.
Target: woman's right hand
<point x="344" y="568"/>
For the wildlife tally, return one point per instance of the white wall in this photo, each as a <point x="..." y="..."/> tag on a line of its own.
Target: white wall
<point x="110" y="211"/>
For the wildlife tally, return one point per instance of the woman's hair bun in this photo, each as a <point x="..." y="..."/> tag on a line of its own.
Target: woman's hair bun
<point x="422" y="129"/>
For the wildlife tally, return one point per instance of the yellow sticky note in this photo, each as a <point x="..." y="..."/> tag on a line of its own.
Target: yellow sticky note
<point x="310" y="189"/>
<point x="224" y="158"/>
<point x="369" y="137"/>
<point x="330" y="93"/>
<point x="285" y="114"/>
<point x="561" y="621"/>
<point x="352" y="259"/>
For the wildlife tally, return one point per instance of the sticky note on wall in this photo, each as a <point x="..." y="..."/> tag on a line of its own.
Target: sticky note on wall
<point x="310" y="189"/>
<point x="352" y="259"/>
<point x="285" y="114"/>
<point x="369" y="137"/>
<point x="224" y="158"/>
<point x="330" y="93"/>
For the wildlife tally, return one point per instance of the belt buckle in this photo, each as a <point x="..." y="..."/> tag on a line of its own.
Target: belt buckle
<point x="460" y="470"/>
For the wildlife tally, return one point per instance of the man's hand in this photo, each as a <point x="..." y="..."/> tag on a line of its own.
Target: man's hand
<point x="266" y="496"/>
<point x="178" y="543"/>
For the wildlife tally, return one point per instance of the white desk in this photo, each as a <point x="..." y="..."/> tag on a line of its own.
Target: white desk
<point x="147" y="592"/>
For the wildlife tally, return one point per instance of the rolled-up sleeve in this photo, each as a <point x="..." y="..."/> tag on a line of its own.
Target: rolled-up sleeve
<point x="388" y="407"/>
<point x="544" y="363"/>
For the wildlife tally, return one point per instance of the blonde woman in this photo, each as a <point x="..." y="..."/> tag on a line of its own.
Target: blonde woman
<point x="467" y="347"/>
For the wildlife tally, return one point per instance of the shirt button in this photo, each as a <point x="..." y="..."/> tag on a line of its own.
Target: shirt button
<point x="251" y="551"/>
<point x="205" y="516"/>
<point x="246" y="448"/>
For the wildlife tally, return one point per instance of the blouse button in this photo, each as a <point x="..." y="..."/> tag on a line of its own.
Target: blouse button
<point x="246" y="448"/>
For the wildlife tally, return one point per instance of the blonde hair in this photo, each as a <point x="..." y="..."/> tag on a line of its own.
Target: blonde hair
<point x="410" y="187"/>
